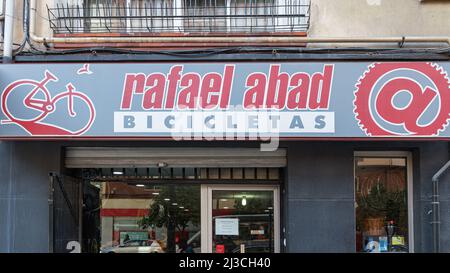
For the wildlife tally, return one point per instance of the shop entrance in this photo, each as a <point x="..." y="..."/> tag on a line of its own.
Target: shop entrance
<point x="177" y="203"/>
<point x="241" y="219"/>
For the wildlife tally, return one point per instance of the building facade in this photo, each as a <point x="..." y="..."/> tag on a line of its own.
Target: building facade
<point x="225" y="126"/>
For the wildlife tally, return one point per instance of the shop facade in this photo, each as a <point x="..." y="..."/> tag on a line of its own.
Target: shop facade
<point x="223" y="157"/>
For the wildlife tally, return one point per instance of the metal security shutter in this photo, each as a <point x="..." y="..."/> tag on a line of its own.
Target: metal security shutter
<point x="137" y="157"/>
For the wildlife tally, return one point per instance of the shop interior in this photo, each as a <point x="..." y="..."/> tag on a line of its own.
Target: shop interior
<point x="158" y="210"/>
<point x="381" y="191"/>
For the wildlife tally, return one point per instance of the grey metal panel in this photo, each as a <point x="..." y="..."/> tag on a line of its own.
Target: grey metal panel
<point x="30" y="218"/>
<point x="321" y="171"/>
<point x="133" y="157"/>
<point x="5" y="223"/>
<point x="321" y="226"/>
<point x="445" y="225"/>
<point x="66" y="224"/>
<point x="6" y="190"/>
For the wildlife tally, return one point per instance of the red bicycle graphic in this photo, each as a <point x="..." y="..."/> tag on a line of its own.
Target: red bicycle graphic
<point x="44" y="106"/>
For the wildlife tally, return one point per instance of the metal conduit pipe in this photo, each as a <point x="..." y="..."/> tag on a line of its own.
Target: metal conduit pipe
<point x="248" y="39"/>
<point x="9" y="32"/>
<point x="435" y="204"/>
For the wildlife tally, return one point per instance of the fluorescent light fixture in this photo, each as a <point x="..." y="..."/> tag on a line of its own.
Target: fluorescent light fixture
<point x="174" y="204"/>
<point x="140" y="185"/>
<point x="181" y="207"/>
<point x="162" y="164"/>
<point x="167" y="199"/>
<point x="244" y="201"/>
<point x="117" y="172"/>
<point x="155" y="193"/>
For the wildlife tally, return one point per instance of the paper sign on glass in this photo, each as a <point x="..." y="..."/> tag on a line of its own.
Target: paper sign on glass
<point x="227" y="226"/>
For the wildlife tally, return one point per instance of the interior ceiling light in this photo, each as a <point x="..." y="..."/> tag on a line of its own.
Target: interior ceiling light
<point x="162" y="164"/>
<point x="244" y="201"/>
<point x="140" y="185"/>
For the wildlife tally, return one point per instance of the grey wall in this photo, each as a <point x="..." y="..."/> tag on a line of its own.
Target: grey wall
<point x="5" y="196"/>
<point x="318" y="206"/>
<point x="319" y="195"/>
<point x="23" y="195"/>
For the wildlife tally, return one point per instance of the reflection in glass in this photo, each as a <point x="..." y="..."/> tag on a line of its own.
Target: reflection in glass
<point x="144" y="218"/>
<point x="381" y="205"/>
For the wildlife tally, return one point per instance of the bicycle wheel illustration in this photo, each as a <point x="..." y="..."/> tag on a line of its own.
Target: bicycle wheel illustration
<point x="41" y="104"/>
<point x="40" y="107"/>
<point x="70" y="96"/>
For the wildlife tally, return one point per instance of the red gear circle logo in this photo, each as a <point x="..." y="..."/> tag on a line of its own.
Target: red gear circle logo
<point x="374" y="105"/>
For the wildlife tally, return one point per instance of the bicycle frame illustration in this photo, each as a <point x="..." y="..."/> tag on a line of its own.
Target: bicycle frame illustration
<point x="45" y="106"/>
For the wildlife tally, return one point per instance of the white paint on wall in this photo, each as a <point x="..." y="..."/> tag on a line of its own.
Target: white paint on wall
<point x="374" y="2"/>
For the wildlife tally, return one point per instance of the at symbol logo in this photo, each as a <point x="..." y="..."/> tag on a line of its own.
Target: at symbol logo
<point x="30" y="105"/>
<point x="403" y="99"/>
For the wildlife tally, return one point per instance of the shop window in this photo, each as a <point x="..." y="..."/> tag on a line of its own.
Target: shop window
<point x="140" y="218"/>
<point x="125" y="210"/>
<point x="243" y="221"/>
<point x="381" y="205"/>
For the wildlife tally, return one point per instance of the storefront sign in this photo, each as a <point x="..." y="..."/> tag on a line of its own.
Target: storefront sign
<point x="342" y="100"/>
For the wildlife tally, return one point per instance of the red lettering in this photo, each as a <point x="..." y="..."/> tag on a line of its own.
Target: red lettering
<point x="153" y="97"/>
<point x="173" y="78"/>
<point x="134" y="83"/>
<point x="278" y="84"/>
<point x="228" y="75"/>
<point x="189" y="95"/>
<point x="319" y="95"/>
<point x="298" y="96"/>
<point x="209" y="94"/>
<point x="254" y="96"/>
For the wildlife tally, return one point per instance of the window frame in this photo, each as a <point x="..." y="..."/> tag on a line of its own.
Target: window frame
<point x="409" y="182"/>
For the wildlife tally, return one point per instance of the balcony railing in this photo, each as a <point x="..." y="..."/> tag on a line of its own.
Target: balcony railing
<point x="179" y="16"/>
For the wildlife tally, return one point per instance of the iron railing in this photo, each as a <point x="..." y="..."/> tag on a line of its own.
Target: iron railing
<point x="184" y="16"/>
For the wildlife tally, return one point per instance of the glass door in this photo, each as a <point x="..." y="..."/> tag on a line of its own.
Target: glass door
<point x="241" y="219"/>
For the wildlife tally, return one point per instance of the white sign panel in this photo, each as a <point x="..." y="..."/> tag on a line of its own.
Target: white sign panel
<point x="227" y="226"/>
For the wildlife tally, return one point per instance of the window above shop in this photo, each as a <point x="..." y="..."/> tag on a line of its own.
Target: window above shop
<point x="179" y="16"/>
